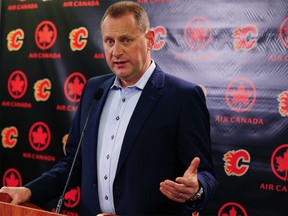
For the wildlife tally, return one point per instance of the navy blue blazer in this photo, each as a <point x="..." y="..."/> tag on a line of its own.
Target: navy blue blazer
<point x="168" y="128"/>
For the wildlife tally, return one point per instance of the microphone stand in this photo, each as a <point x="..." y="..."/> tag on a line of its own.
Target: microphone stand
<point x="97" y="96"/>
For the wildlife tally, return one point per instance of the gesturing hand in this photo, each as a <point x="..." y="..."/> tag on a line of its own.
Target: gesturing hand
<point x="184" y="187"/>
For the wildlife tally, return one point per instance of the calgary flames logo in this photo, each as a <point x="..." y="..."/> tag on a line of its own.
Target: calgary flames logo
<point x="15" y="39"/>
<point x="236" y="162"/>
<point x="9" y="137"/>
<point x="245" y="38"/>
<point x="160" y="37"/>
<point x="42" y="90"/>
<point x="78" y="38"/>
<point x="283" y="103"/>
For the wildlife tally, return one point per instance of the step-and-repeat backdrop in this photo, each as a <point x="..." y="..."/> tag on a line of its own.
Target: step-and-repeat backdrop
<point x="236" y="50"/>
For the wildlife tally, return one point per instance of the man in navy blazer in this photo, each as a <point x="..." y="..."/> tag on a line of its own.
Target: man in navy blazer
<point x="146" y="149"/>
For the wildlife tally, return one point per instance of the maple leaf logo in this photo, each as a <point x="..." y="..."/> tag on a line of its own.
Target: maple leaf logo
<point x="39" y="136"/>
<point x="283" y="164"/>
<point x="45" y="35"/>
<point x="11" y="180"/>
<point x="74" y="86"/>
<point x="232" y="212"/>
<point x="241" y="95"/>
<point x="283" y="103"/>
<point x="284" y="32"/>
<point x="198" y="33"/>
<point x="72" y="197"/>
<point x="17" y="84"/>
<point x="238" y="97"/>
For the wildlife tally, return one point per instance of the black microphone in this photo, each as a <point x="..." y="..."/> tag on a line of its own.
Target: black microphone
<point x="97" y="96"/>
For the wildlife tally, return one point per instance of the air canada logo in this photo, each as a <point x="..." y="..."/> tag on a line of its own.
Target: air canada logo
<point x="160" y="37"/>
<point x="198" y="33"/>
<point x="45" y="35"/>
<point x="236" y="162"/>
<point x="240" y="95"/>
<point x="17" y="84"/>
<point x="15" y="40"/>
<point x="39" y="136"/>
<point x="245" y="38"/>
<point x="42" y="90"/>
<point x="78" y="38"/>
<point x="9" y="137"/>
<point x="279" y="162"/>
<point x="283" y="103"/>
<point x="283" y="32"/>
<point x="232" y="209"/>
<point x="12" y="178"/>
<point x="72" y="198"/>
<point x="73" y="86"/>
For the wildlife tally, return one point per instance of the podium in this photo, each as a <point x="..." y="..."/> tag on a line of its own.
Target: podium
<point x="26" y="209"/>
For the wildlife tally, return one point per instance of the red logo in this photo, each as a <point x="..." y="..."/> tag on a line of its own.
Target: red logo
<point x="232" y="209"/>
<point x="283" y="32"/>
<point x="236" y="162"/>
<point x="15" y="39"/>
<point x="283" y="103"/>
<point x="160" y="37"/>
<point x="198" y="33"/>
<point x="73" y="86"/>
<point x="45" y="35"/>
<point x="9" y="137"/>
<point x="279" y="162"/>
<point x="39" y="136"/>
<point x="78" y="38"/>
<point x="12" y="178"/>
<point x="240" y="95"/>
<point x="72" y="198"/>
<point x="245" y="38"/>
<point x="42" y="90"/>
<point x="17" y="84"/>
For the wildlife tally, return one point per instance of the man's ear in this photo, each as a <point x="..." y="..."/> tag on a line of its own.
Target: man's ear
<point x="150" y="35"/>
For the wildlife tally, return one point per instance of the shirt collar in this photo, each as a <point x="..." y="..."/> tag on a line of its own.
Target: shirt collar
<point x="140" y="84"/>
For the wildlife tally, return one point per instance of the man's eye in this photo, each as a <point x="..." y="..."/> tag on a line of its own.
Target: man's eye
<point x="109" y="42"/>
<point x="126" y="41"/>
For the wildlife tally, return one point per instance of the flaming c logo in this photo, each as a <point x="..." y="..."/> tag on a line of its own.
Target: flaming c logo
<point x="64" y="141"/>
<point x="160" y="37"/>
<point x="9" y="137"/>
<point x="279" y="162"/>
<point x="240" y="95"/>
<point x="12" y="178"/>
<point x="73" y="86"/>
<point x="39" y="136"/>
<point x="15" y="39"/>
<point x="17" y="84"/>
<point x="283" y="103"/>
<point x="78" y="38"/>
<point x="45" y="35"/>
<point x="236" y="162"/>
<point x="72" y="198"/>
<point x="42" y="90"/>
<point x="245" y="38"/>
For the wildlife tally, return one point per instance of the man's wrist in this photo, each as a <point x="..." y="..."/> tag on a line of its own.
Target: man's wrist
<point x="198" y="195"/>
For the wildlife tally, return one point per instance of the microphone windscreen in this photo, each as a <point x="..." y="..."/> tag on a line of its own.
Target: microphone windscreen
<point x="98" y="94"/>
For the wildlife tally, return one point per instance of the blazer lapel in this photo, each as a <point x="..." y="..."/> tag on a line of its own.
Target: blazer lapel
<point x="147" y="101"/>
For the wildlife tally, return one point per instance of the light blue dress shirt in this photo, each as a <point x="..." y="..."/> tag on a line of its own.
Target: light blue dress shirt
<point x="116" y="114"/>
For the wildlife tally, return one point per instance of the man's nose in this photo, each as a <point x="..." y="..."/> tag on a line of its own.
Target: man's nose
<point x="117" y="49"/>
